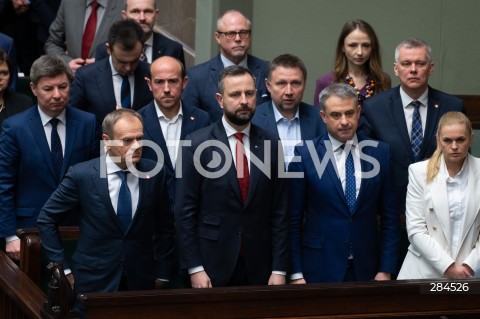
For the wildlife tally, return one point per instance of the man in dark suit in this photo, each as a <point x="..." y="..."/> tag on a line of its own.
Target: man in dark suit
<point x="67" y="30"/>
<point x="38" y="146"/>
<point x="156" y="44"/>
<point x="390" y="115"/>
<point x="286" y="115"/>
<point x="233" y="37"/>
<point x="343" y="181"/>
<point x="166" y="120"/>
<point x="126" y="227"/>
<point x="232" y="221"/>
<point x="119" y="81"/>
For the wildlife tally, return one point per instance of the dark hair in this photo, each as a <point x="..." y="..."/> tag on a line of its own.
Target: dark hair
<point x="113" y="117"/>
<point x="49" y="66"/>
<point x="341" y="90"/>
<point x="233" y="70"/>
<point x="126" y="33"/>
<point x="287" y="61"/>
<point x="373" y="66"/>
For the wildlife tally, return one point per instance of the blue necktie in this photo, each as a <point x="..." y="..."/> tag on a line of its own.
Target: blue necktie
<point x="417" y="133"/>
<point x="124" y="205"/>
<point x="56" y="148"/>
<point x="125" y="92"/>
<point x="350" y="184"/>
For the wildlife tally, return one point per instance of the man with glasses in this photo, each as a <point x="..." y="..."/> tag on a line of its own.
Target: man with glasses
<point x="233" y="36"/>
<point x="156" y="44"/>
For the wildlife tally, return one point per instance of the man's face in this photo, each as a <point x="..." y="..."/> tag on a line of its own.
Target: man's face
<point x="413" y="69"/>
<point x="286" y="86"/>
<point x="341" y="118"/>
<point x="166" y="82"/>
<point x="238" y="100"/>
<point x="142" y="11"/>
<point x="233" y="49"/>
<point x="129" y="131"/>
<point x="125" y="62"/>
<point x="52" y="94"/>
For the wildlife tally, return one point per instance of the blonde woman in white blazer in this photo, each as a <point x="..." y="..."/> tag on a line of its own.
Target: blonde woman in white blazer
<point x="442" y="207"/>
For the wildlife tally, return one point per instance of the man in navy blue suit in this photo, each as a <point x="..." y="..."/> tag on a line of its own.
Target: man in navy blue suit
<point x="286" y="116"/>
<point x="98" y="87"/>
<point x="166" y="120"/>
<point x="343" y="181"/>
<point x="389" y="116"/>
<point x="31" y="141"/>
<point x="233" y="36"/>
<point x="126" y="227"/>
<point x="156" y="44"/>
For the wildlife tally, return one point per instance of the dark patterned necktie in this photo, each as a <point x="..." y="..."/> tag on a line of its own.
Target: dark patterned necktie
<point x="56" y="147"/>
<point x="417" y="132"/>
<point x="350" y="184"/>
<point x="124" y="205"/>
<point x="125" y="93"/>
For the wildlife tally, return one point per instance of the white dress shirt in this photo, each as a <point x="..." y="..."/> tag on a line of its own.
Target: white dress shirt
<point x="226" y="62"/>
<point x="289" y="133"/>
<point x="408" y="109"/>
<point x="340" y="158"/>
<point x="171" y="130"/>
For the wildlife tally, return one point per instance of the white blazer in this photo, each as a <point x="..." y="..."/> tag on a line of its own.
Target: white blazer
<point x="428" y="223"/>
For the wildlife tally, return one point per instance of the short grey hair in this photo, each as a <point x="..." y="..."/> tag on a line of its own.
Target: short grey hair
<point x="49" y="66"/>
<point x="341" y="90"/>
<point x="113" y="117"/>
<point x="414" y="43"/>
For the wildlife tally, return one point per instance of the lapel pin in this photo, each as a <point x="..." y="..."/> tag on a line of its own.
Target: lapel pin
<point x="192" y="118"/>
<point x="436" y="106"/>
<point x="256" y="146"/>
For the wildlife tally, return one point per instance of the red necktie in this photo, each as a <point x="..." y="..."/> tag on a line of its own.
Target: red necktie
<point x="242" y="166"/>
<point x="89" y="32"/>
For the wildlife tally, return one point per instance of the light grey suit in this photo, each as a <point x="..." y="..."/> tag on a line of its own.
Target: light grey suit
<point x="428" y="224"/>
<point x="66" y="31"/>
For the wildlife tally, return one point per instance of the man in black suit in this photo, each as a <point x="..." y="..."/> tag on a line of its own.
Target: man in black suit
<point x="232" y="221"/>
<point x="156" y="44"/>
<point x="119" y="81"/>
<point x="166" y="120"/>
<point x="413" y="106"/>
<point x="126" y="227"/>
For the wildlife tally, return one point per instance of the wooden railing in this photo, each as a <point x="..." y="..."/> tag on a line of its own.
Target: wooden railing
<point x="472" y="109"/>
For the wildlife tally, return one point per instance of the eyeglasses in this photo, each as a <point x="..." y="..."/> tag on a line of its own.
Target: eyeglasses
<point x="4" y="73"/>
<point x="244" y="34"/>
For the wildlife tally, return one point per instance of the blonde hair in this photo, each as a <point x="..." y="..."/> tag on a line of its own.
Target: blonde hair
<point x="449" y="118"/>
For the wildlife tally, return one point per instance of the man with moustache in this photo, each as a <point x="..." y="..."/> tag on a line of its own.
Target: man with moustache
<point x="230" y="205"/>
<point x="126" y="226"/>
<point x="286" y="116"/>
<point x="166" y="120"/>
<point x="233" y="36"/>
<point x="156" y="44"/>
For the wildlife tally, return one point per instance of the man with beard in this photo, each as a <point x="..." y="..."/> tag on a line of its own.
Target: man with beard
<point x="233" y="36"/>
<point x="286" y="115"/>
<point x="230" y="204"/>
<point x="156" y="44"/>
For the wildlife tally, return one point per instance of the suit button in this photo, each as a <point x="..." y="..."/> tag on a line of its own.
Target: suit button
<point x="431" y="209"/>
<point x="434" y="227"/>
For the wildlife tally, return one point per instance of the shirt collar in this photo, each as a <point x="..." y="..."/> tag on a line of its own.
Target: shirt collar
<point x="112" y="168"/>
<point x="230" y="130"/>
<point x="149" y="41"/>
<point x="226" y="62"/>
<point x="102" y="3"/>
<point x="336" y="144"/>
<point x="406" y="100"/>
<point x="279" y="116"/>
<point x="46" y="118"/>
<point x="161" y="115"/>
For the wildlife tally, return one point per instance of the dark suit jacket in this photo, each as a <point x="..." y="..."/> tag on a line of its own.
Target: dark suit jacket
<point x="311" y="124"/>
<point x="27" y="174"/>
<point x="161" y="46"/>
<point x="7" y="45"/>
<point x="103" y="251"/>
<point x="92" y="89"/>
<point x="212" y="220"/>
<point x="383" y="119"/>
<point x="14" y="103"/>
<point x="193" y="119"/>
<point x="203" y="84"/>
<point x="322" y="226"/>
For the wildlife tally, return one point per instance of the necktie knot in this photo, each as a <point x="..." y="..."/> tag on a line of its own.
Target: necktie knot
<point x="416" y="104"/>
<point x="54" y="122"/>
<point x="123" y="175"/>
<point x="239" y="136"/>
<point x="94" y="6"/>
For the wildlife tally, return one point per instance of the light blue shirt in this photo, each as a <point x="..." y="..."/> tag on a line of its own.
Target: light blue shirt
<point x="289" y="133"/>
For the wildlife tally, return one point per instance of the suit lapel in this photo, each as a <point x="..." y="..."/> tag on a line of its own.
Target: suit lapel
<point x="254" y="68"/>
<point x="473" y="206"/>
<point x="257" y="149"/>
<point x="70" y="133"/>
<point x="105" y="86"/>
<point x="440" y="202"/>
<point x="158" y="46"/>
<point x="431" y="122"/>
<point x="189" y="121"/>
<point x="269" y="119"/>
<point x="139" y="87"/>
<point x="398" y="116"/>
<point x="38" y="133"/>
<point x="306" y="126"/>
